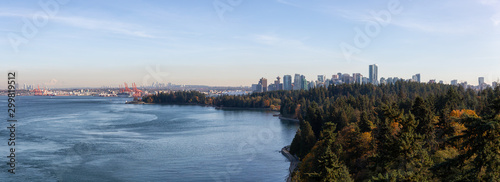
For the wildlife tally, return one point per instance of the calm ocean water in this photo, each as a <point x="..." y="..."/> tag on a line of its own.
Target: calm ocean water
<point x="103" y="139"/>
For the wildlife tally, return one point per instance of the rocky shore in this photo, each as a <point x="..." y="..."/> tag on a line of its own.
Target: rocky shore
<point x="294" y="161"/>
<point x="135" y="102"/>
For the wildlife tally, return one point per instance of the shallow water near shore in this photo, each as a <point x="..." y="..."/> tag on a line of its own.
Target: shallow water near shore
<point x="103" y="139"/>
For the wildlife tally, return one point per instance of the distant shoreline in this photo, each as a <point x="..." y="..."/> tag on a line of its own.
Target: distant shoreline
<point x="243" y="108"/>
<point x="136" y="102"/>
<point x="205" y="105"/>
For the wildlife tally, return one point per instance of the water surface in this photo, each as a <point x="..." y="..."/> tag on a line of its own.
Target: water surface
<point x="102" y="139"/>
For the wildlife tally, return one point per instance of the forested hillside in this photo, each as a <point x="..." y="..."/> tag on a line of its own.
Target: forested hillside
<point x="397" y="132"/>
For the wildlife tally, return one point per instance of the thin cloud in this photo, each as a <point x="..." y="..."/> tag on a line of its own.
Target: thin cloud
<point x="107" y="26"/>
<point x="11" y="14"/>
<point x="431" y="28"/>
<point x="488" y="2"/>
<point x="496" y="19"/>
<point x="88" y="23"/>
<point x="275" y="40"/>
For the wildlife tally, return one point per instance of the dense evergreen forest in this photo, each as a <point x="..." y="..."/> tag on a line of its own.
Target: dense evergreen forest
<point x="268" y="100"/>
<point x="397" y="132"/>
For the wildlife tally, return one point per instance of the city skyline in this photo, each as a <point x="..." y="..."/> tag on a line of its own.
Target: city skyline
<point x="66" y="43"/>
<point x="287" y="78"/>
<point x="300" y="81"/>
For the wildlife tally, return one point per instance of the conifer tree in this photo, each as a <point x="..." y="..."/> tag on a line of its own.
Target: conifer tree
<point x="426" y="119"/>
<point x="307" y="139"/>
<point x="365" y="124"/>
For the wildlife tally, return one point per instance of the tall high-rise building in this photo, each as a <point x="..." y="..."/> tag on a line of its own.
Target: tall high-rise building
<point x="346" y="78"/>
<point x="481" y="81"/>
<point x="321" y="78"/>
<point x="389" y="80"/>
<point x="303" y="81"/>
<point x="259" y="88"/>
<point x="357" y="77"/>
<point x="464" y="84"/>
<point x="263" y="82"/>
<point x="454" y="82"/>
<point x="312" y="85"/>
<point x="297" y="82"/>
<point x="482" y="85"/>
<point x="418" y="77"/>
<point x="255" y="88"/>
<point x="277" y="84"/>
<point x="287" y="82"/>
<point x="364" y="80"/>
<point x="383" y="81"/>
<point x="373" y="69"/>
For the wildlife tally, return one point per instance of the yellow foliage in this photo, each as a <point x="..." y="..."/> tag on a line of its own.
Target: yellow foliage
<point x="443" y="155"/>
<point x="396" y="127"/>
<point x="462" y="113"/>
<point x="366" y="137"/>
<point x="366" y="142"/>
<point x="458" y="127"/>
<point x="436" y="120"/>
<point x="346" y="137"/>
<point x="267" y="103"/>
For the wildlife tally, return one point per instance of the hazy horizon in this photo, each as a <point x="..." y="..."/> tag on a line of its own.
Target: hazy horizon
<point x="69" y="43"/>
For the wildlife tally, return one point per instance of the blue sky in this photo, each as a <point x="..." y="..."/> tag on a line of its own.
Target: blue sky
<point x="95" y="43"/>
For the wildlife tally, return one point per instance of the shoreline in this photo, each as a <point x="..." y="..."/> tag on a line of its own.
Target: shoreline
<point x="244" y="108"/>
<point x="288" y="119"/>
<point x="294" y="161"/>
<point x="136" y="102"/>
<point x="205" y="105"/>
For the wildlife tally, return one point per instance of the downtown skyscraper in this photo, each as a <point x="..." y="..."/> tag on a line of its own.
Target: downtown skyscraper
<point x="297" y="82"/>
<point x="287" y="82"/>
<point x="373" y="76"/>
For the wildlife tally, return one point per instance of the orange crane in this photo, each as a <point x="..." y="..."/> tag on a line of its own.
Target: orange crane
<point x="137" y="92"/>
<point x="39" y="92"/>
<point x="126" y="88"/>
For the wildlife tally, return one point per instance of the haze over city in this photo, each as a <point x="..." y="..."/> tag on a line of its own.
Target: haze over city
<point x="94" y="43"/>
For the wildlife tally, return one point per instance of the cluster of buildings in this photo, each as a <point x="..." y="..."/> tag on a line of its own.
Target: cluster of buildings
<point x="482" y="85"/>
<point x="299" y="82"/>
<point x="27" y="87"/>
<point x="414" y="78"/>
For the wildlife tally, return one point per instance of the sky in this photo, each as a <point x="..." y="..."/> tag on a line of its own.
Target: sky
<point x="91" y="43"/>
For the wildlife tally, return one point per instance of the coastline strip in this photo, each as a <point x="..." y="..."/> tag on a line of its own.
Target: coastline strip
<point x="294" y="161"/>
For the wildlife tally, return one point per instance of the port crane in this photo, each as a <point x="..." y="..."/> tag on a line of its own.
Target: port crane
<point x="137" y="92"/>
<point x="38" y="91"/>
